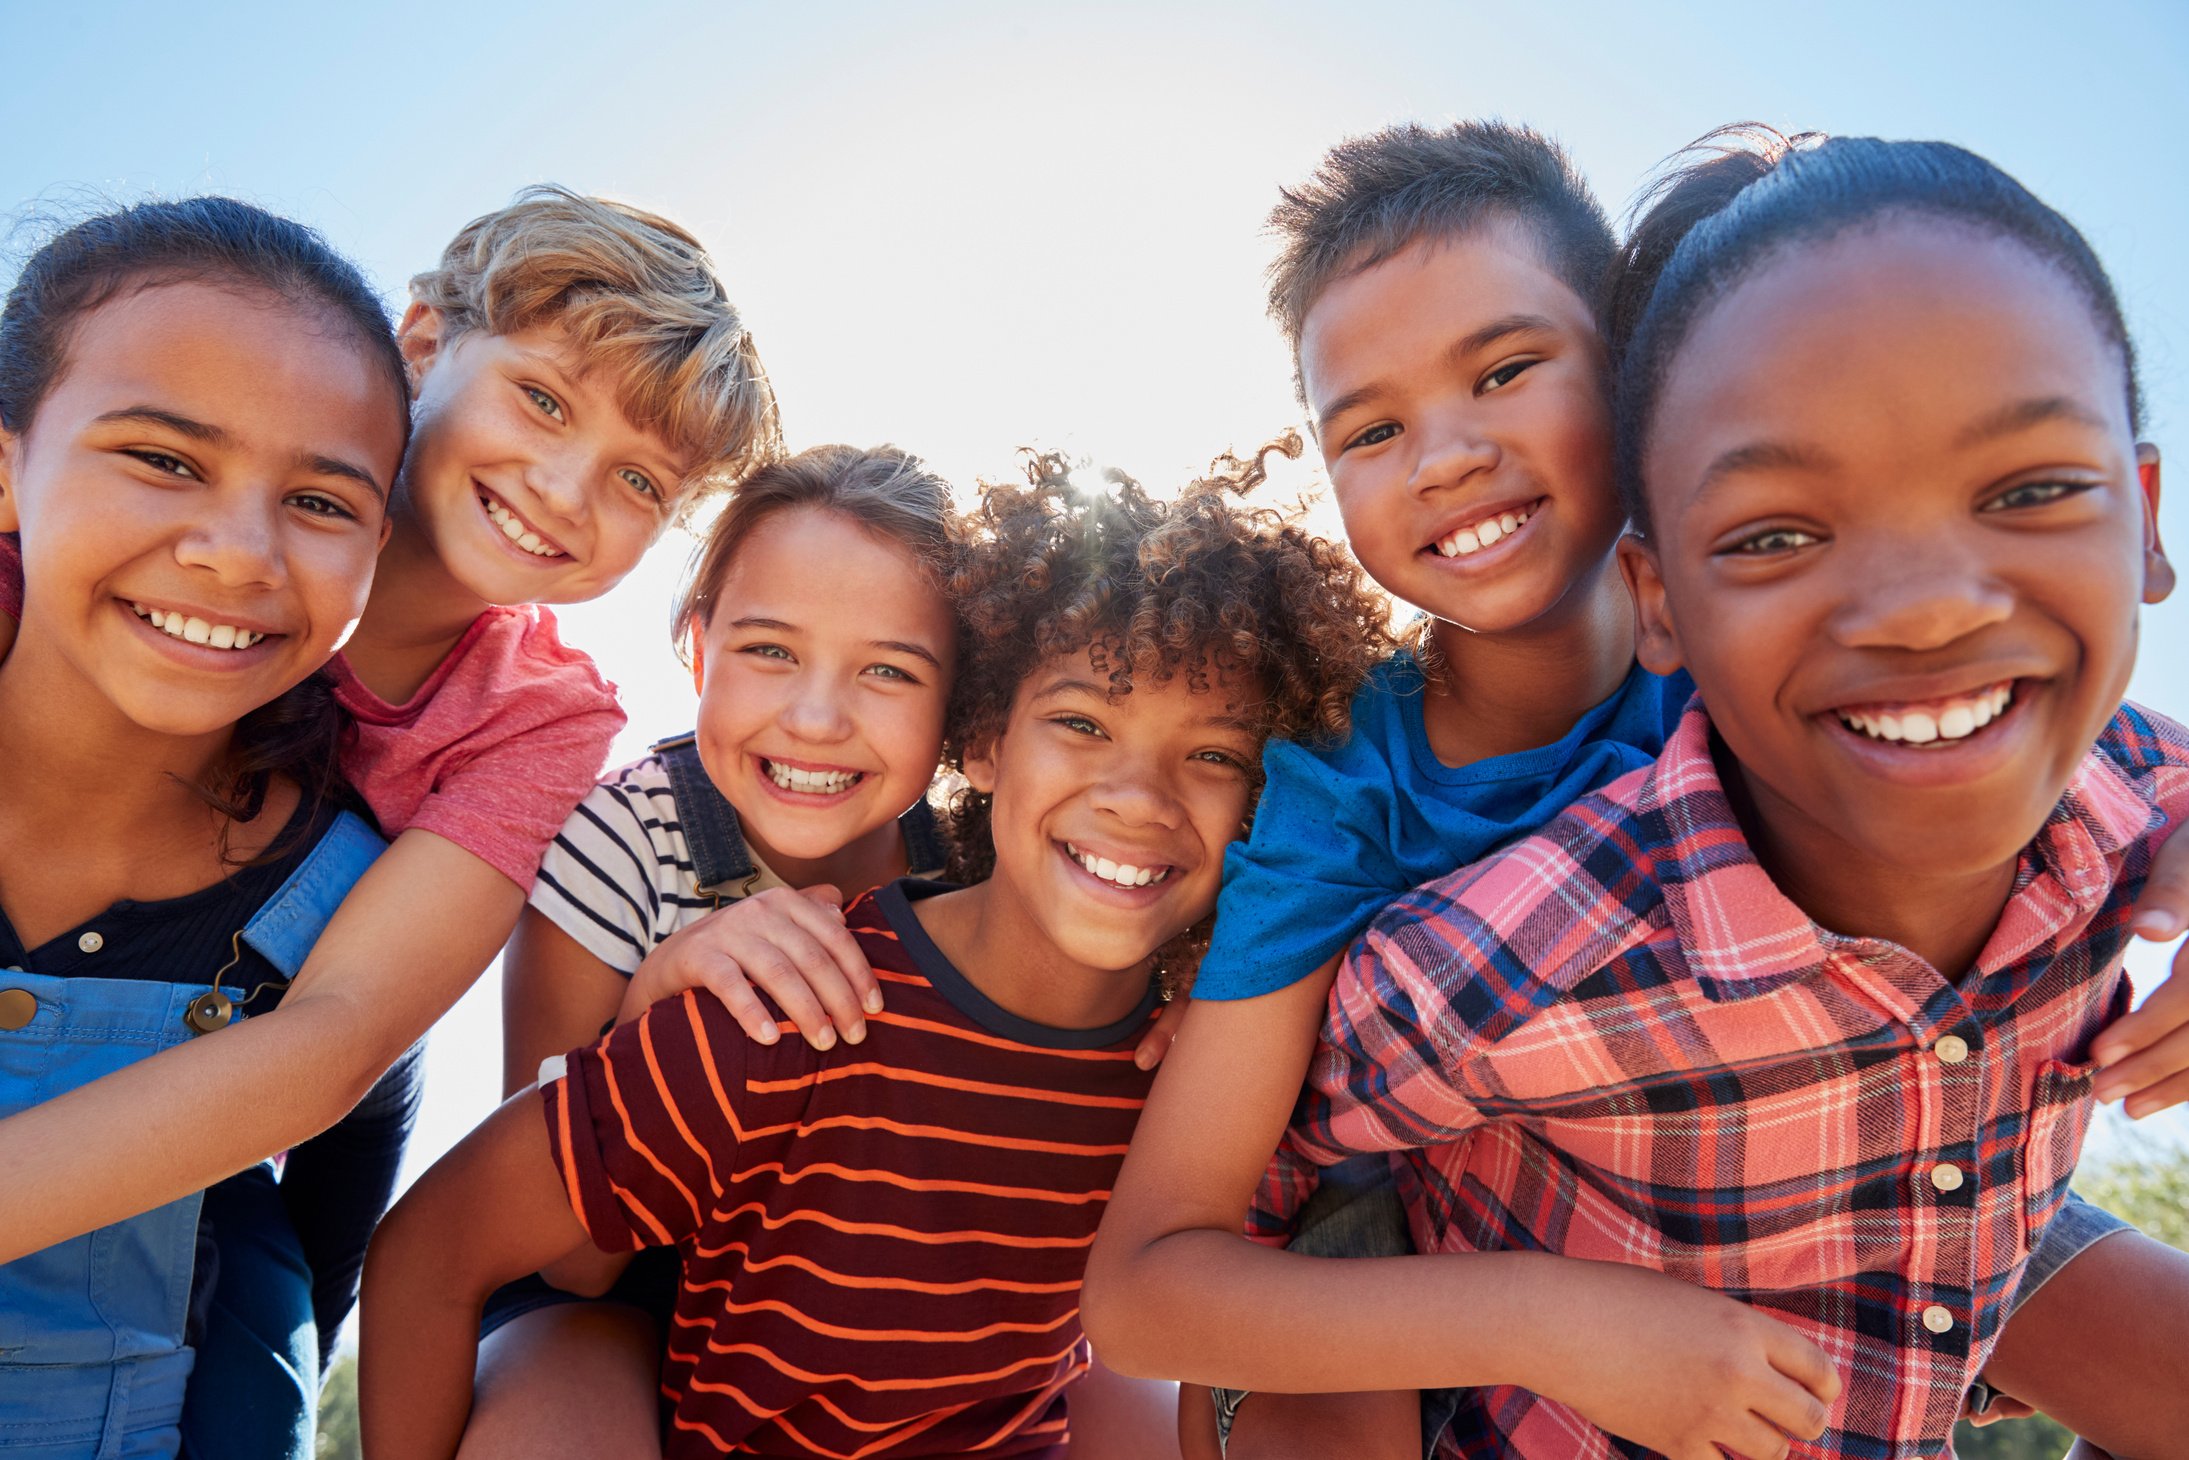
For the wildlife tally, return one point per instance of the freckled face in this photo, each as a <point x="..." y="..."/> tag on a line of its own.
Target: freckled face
<point x="523" y="472"/>
<point x="825" y="669"/>
<point x="201" y="498"/>
<point x="1111" y="816"/>
<point x="1900" y="538"/>
<point x="1458" y="391"/>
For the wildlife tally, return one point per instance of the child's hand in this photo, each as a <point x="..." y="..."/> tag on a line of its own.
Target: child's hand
<point x="1686" y="1371"/>
<point x="793" y="944"/>
<point x="1157" y="1041"/>
<point x="2145" y="1054"/>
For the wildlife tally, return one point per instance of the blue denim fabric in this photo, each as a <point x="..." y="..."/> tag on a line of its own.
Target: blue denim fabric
<point x="93" y="1359"/>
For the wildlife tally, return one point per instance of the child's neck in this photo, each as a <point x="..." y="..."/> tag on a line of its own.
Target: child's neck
<point x="1499" y="694"/>
<point x="867" y="863"/>
<point x="1943" y="918"/>
<point x="990" y="936"/>
<point x="78" y="774"/>
<point x="415" y="615"/>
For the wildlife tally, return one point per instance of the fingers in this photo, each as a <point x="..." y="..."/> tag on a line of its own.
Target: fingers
<point x="1787" y="1407"/>
<point x="744" y="1005"/>
<point x="1157" y="1042"/>
<point x="803" y="981"/>
<point x="2162" y="911"/>
<point x="1806" y="1364"/>
<point x="1755" y="1438"/>
<point x="2166" y="1010"/>
<point x="2150" y="1079"/>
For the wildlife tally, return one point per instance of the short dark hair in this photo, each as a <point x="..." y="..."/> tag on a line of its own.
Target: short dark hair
<point x="1738" y="196"/>
<point x="1374" y="195"/>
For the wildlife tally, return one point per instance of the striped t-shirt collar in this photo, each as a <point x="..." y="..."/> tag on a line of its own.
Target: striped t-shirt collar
<point x="895" y="901"/>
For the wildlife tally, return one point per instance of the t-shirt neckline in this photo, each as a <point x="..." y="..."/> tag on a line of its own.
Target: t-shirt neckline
<point x="895" y="900"/>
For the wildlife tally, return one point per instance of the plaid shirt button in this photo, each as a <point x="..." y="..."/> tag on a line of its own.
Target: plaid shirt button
<point x="1937" y="1319"/>
<point x="1951" y="1049"/>
<point x="1946" y="1178"/>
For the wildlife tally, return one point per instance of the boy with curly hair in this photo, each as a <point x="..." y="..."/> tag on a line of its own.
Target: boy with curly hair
<point x="885" y="1240"/>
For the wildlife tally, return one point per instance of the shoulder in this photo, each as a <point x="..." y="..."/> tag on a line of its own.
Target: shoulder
<point x="519" y="653"/>
<point x="1533" y="920"/>
<point x="1328" y="768"/>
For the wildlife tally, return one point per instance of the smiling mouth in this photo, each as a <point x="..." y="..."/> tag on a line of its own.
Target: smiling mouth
<point x="1117" y="874"/>
<point x="516" y="530"/>
<point x="193" y="630"/>
<point x="809" y="783"/>
<point x="1484" y="532"/>
<point x="1930" y="722"/>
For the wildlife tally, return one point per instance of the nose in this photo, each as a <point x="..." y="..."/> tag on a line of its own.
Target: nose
<point x="558" y="484"/>
<point x="1140" y="792"/>
<point x="1917" y="591"/>
<point x="238" y="541"/>
<point x="814" y="712"/>
<point x="1453" y="449"/>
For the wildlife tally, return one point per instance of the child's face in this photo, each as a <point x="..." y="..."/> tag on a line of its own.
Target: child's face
<point x="1900" y="538"/>
<point x="1111" y="817"/>
<point x="1458" y="394"/>
<point x="202" y="498"/>
<point x="824" y="672"/>
<point x="524" y="473"/>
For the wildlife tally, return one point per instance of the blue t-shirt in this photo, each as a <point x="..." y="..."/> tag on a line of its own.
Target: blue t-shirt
<point x="1343" y="830"/>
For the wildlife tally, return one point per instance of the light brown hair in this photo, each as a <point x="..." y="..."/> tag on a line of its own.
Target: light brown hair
<point x="886" y="490"/>
<point x="639" y="301"/>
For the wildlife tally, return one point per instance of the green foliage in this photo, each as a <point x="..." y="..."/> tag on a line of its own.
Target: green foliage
<point x="338" y="1412"/>
<point x="2035" y="1438"/>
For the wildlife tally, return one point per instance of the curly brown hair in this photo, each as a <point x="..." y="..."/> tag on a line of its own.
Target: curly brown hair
<point x="1155" y="589"/>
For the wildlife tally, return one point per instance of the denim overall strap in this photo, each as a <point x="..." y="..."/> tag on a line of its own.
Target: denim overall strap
<point x="92" y="1360"/>
<point x="721" y="862"/>
<point x="926" y="850"/>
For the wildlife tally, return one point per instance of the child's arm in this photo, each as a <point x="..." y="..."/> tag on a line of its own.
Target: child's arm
<point x="1174" y="1290"/>
<point x="412" y="935"/>
<point x="2145" y="1054"/>
<point x="793" y="944"/>
<point x="490" y="1211"/>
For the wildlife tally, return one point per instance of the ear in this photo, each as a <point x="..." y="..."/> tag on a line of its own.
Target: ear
<point x="420" y="337"/>
<point x="11" y="450"/>
<point x="1657" y="643"/>
<point x="2158" y="573"/>
<point x="699" y="662"/>
<point x="980" y="764"/>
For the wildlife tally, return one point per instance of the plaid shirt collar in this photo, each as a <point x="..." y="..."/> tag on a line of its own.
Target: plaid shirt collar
<point x="1742" y="937"/>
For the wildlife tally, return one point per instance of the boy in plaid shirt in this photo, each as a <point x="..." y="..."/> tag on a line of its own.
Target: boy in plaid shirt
<point x="1899" y="532"/>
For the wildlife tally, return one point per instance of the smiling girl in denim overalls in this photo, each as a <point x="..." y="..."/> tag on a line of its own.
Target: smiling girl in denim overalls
<point x="201" y="412"/>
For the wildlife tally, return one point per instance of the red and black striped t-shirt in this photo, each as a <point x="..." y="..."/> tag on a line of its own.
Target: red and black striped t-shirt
<point x="883" y="1242"/>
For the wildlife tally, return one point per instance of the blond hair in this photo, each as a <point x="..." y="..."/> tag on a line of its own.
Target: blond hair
<point x="884" y="489"/>
<point x="639" y="300"/>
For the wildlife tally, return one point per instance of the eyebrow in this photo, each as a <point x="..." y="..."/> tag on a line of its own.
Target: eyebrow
<point x="1766" y="456"/>
<point x="1457" y="353"/>
<point x="2023" y="415"/>
<point x="211" y="435"/>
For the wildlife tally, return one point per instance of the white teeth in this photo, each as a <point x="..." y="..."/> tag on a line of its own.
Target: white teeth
<point x="826" y="783"/>
<point x="513" y="528"/>
<point x="1950" y="720"/>
<point x="1124" y="874"/>
<point x="196" y="630"/>
<point x="1479" y="535"/>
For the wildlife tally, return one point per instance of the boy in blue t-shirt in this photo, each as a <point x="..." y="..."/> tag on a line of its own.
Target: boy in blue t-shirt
<point x="1438" y="290"/>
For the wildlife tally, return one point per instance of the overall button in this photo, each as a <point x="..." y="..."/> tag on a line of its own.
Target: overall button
<point x="1937" y="1319"/>
<point x="91" y="942"/>
<point x="1951" y="1049"/>
<point x="208" y="1012"/>
<point x="1946" y="1178"/>
<point x="17" y="1008"/>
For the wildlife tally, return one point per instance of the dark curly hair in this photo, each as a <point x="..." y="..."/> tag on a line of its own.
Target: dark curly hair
<point x="1156" y="589"/>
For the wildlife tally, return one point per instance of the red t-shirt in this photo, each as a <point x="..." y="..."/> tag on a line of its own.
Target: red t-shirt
<point x="883" y="1242"/>
<point x="493" y="752"/>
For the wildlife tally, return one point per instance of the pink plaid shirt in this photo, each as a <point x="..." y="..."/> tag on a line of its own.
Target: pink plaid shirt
<point x="1619" y="1040"/>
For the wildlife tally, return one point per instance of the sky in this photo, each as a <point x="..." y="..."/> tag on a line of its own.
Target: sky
<point x="969" y="228"/>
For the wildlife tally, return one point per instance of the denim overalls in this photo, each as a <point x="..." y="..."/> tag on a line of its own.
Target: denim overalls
<point x="92" y="1360"/>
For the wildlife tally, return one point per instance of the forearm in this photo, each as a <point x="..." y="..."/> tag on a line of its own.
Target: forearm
<point x="419" y="1341"/>
<point x="1209" y="1307"/>
<point x="181" y="1120"/>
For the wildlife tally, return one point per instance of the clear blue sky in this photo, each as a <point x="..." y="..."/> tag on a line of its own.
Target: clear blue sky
<point x="969" y="227"/>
